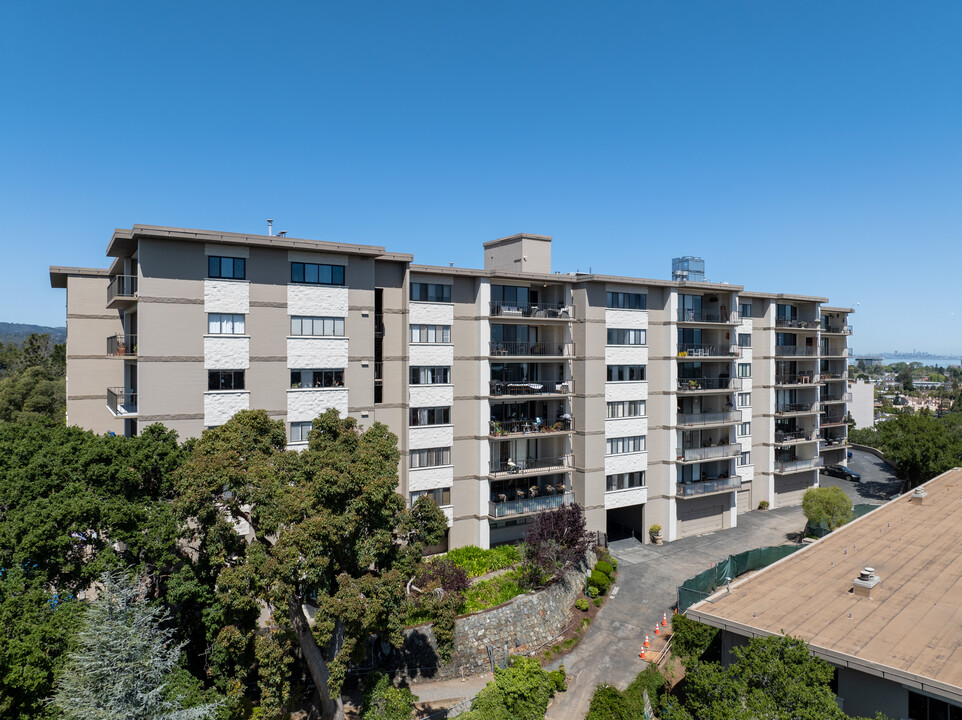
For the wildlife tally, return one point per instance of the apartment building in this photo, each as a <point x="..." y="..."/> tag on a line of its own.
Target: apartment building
<point x="512" y="388"/>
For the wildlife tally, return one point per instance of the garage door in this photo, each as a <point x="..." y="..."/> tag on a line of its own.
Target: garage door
<point x="790" y="488"/>
<point x="744" y="501"/>
<point x="700" y="516"/>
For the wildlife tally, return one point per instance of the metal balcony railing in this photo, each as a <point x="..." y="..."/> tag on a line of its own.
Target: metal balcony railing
<point x="378" y="324"/>
<point x="824" y="420"/>
<point x="531" y="465"/>
<point x="833" y="442"/>
<point x="781" y="408"/>
<point x="797" y="324"/>
<point x="706" y="316"/>
<point x="702" y="384"/>
<point x="790" y="466"/>
<point x="553" y="311"/>
<point x="711" y="452"/>
<point x="838" y="329"/>
<point x="121" y="401"/>
<point x="787" y="437"/>
<point x="540" y="349"/>
<point x="711" y="485"/>
<point x="122" y="345"/>
<point x="844" y="397"/>
<point x="796" y="351"/>
<point x="122" y="287"/>
<point x="687" y="350"/>
<point x="530" y="505"/>
<point x="506" y="387"/>
<point x="709" y="418"/>
<point x="504" y="428"/>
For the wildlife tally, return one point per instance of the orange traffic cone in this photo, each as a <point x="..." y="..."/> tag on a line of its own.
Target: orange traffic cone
<point x="646" y="640"/>
<point x="642" y="653"/>
<point x="664" y="619"/>
<point x="656" y="630"/>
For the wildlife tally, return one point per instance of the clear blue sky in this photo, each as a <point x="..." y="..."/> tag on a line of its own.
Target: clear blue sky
<point x="811" y="147"/>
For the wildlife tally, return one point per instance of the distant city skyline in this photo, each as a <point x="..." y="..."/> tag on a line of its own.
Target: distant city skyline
<point x="803" y="148"/>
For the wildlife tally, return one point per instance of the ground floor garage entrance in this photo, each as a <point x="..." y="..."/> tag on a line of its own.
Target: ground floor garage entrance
<point x="625" y="522"/>
<point x="789" y="489"/>
<point x="701" y="515"/>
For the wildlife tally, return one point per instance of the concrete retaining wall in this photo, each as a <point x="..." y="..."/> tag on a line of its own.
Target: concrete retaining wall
<point x="873" y="451"/>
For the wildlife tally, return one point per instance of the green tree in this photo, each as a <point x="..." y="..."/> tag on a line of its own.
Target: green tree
<point x="520" y="691"/>
<point x="384" y="701"/>
<point x="827" y="504"/>
<point x="119" y="670"/>
<point x="327" y="531"/>
<point x="32" y="382"/>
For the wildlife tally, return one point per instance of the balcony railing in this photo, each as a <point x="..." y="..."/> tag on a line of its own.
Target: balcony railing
<point x="121" y="401"/>
<point x="531" y="465"/>
<point x="706" y="316"/>
<point x="824" y="420"/>
<point x="699" y="350"/>
<point x="710" y="418"/>
<point x="557" y="311"/>
<point x="791" y="437"/>
<point x="782" y="408"/>
<point x="540" y="349"/>
<point x="122" y="287"/>
<point x="825" y="376"/>
<point x="504" y="387"/>
<point x="504" y="428"/>
<point x="791" y="466"/>
<point x="705" y="487"/>
<point x="844" y="397"/>
<point x="686" y="385"/>
<point x="530" y="505"/>
<point x="797" y="324"/>
<point x="829" y="351"/>
<point x="714" y="452"/>
<point x="796" y="351"/>
<point x="378" y="324"/>
<point x="122" y="345"/>
<point x="800" y="379"/>
<point x="838" y="329"/>
<point x="834" y="442"/>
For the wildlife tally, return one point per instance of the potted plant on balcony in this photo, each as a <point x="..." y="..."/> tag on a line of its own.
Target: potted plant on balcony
<point x="763" y="505"/>
<point x="655" y="532"/>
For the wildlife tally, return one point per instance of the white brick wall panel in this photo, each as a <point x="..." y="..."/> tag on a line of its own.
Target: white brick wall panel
<point x="745" y="472"/>
<point x="227" y="296"/>
<point x="227" y="353"/>
<point x="431" y="354"/>
<point x="430" y="478"/>
<point x="625" y="427"/>
<point x="624" y="498"/>
<point x="432" y="436"/>
<point x="219" y="407"/>
<point x="448" y="511"/>
<point x="431" y="314"/>
<point x="317" y="300"/>
<point x="307" y="404"/>
<point x="629" y="462"/>
<point x="631" y="319"/>
<point x="615" y="391"/>
<point x="431" y="395"/>
<point x="626" y="355"/>
<point x="317" y="352"/>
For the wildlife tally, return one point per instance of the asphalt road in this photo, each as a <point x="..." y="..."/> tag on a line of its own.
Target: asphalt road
<point x="878" y="482"/>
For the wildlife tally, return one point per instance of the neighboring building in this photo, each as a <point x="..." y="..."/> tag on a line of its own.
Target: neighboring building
<point x="894" y="633"/>
<point x="512" y="389"/>
<point x="862" y="405"/>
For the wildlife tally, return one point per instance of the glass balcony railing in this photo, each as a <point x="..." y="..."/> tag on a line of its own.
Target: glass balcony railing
<point x="783" y="408"/>
<point x="707" y="316"/>
<point x="535" y="387"/>
<point x="797" y="324"/>
<point x="796" y="351"/>
<point x="844" y="397"/>
<point x="712" y="452"/>
<point x="799" y="379"/>
<point x="710" y="418"/>
<point x="838" y="329"/>
<point x="507" y="508"/>
<point x="687" y="350"/>
<point x="686" y="385"/>
<point x="790" y="466"/>
<point x="824" y="420"/>
<point x="531" y="465"/>
<point x="793" y="437"/>
<point x="705" y="487"/>
<point x="538" y="349"/>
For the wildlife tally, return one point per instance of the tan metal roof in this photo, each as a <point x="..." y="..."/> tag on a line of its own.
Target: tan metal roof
<point x="910" y="630"/>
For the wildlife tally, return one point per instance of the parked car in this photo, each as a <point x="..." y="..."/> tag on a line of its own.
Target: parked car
<point x="840" y="471"/>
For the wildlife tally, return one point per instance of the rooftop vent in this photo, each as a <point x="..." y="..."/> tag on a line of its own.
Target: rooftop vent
<point x="863" y="584"/>
<point x="918" y="497"/>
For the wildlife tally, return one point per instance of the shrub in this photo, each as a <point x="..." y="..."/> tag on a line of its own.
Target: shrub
<point x="827" y="504"/>
<point x="600" y="581"/>
<point x="581" y="604"/>
<point x="592" y="591"/>
<point x="443" y="573"/>
<point x="599" y="601"/>
<point x="478" y="561"/>
<point x="490" y="593"/>
<point x="557" y="540"/>
<point x="605" y="567"/>
<point x="383" y="701"/>
<point x="691" y="639"/>
<point x="613" y="561"/>
<point x="655" y="529"/>
<point x="520" y="691"/>
<point x="609" y="703"/>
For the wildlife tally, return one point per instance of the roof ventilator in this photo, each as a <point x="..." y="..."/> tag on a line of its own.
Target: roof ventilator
<point x="918" y="497"/>
<point x="863" y="584"/>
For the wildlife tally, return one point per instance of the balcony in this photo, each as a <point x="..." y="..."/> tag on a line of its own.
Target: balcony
<point x="121" y="291"/>
<point x="535" y="466"/>
<point x="825" y="376"/>
<point x="529" y="426"/>
<point x="378" y="325"/>
<point x="791" y="466"/>
<point x="690" y="350"/>
<point x="833" y="443"/>
<point x="829" y="420"/>
<point x="796" y="351"/>
<point x="838" y="329"/>
<point x="501" y="388"/>
<point x="711" y="452"/>
<point x="837" y="352"/>
<point x="800" y="379"/>
<point x="709" y="418"/>
<point x="528" y="506"/>
<point x="794" y="324"/>
<point x="548" y="311"/>
<point x="121" y="401"/>
<point x="122" y="345"/>
<point x="708" y="487"/>
<point x="844" y="397"/>
<point x="707" y="316"/>
<point x="792" y="438"/>
<point x="706" y="385"/>
<point x="795" y="408"/>
<point x="529" y="349"/>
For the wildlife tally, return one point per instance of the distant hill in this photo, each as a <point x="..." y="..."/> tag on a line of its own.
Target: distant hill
<point x="18" y="332"/>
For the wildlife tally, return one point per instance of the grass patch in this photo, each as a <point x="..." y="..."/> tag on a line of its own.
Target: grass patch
<point x="478" y="561"/>
<point x="489" y="593"/>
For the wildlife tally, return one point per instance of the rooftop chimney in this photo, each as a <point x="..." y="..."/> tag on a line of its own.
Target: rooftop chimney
<point x="863" y="584"/>
<point x="918" y="497"/>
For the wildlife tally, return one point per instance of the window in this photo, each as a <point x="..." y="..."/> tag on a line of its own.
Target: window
<point x="744" y="339"/>
<point x="625" y="373"/>
<point x="430" y="292"/>
<point x="745" y="310"/>
<point x="623" y="481"/>
<point x="627" y="301"/>
<point x="317" y="274"/>
<point x="744" y="399"/>
<point x="626" y="337"/>
<point x="632" y="444"/>
<point x="744" y="370"/>
<point x="432" y="457"/>
<point x="626" y="408"/>
<point x="744" y="459"/>
<point x="745" y="429"/>
<point x="327" y="326"/>
<point x="225" y="379"/>
<point x="441" y="496"/>
<point x="299" y="431"/>
<point x="221" y="324"/>
<point x="430" y="416"/>
<point x="430" y="333"/>
<point x="325" y="378"/>
<point x="922" y="707"/>
<point x="225" y="267"/>
<point x="440" y="375"/>
<point x="510" y="296"/>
